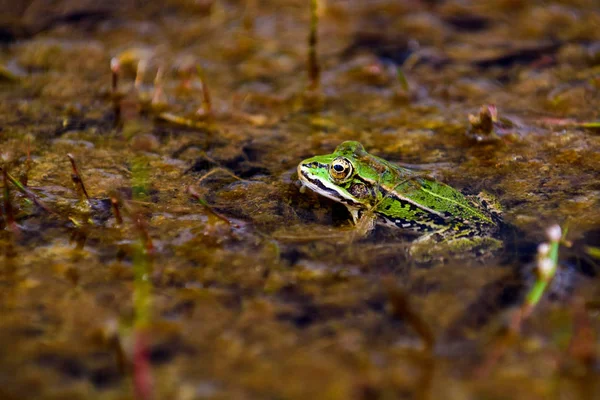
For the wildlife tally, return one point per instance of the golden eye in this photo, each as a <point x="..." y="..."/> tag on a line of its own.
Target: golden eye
<point x="340" y="169"/>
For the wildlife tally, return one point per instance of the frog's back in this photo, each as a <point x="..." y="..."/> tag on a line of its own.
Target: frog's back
<point x="409" y="199"/>
<point x="426" y="204"/>
<point x="443" y="199"/>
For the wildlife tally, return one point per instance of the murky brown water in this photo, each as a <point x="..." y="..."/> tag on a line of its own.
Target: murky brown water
<point x="267" y="293"/>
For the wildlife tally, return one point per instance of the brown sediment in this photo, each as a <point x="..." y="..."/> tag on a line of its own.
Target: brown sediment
<point x="258" y="288"/>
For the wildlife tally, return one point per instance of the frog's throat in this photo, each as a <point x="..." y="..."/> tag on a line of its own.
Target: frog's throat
<point x="326" y="188"/>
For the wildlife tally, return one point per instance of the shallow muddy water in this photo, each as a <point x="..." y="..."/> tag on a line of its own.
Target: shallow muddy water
<point x="198" y="270"/>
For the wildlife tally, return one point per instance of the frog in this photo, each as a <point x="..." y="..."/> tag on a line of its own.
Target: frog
<point x="377" y="192"/>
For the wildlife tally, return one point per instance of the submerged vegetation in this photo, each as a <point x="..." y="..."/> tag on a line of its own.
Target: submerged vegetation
<point x="154" y="242"/>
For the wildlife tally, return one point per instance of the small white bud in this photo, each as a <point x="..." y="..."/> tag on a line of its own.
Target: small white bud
<point x="545" y="269"/>
<point x="543" y="249"/>
<point x="114" y="64"/>
<point x="554" y="233"/>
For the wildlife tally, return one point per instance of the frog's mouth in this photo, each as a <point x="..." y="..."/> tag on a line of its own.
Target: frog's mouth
<point x="325" y="188"/>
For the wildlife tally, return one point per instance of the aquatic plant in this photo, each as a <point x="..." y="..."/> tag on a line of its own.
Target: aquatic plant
<point x="401" y="78"/>
<point x="206" y="109"/>
<point x="547" y="264"/>
<point x="314" y="70"/>
<point x="142" y="286"/>
<point x="8" y="207"/>
<point x="78" y="180"/>
<point x="26" y="192"/>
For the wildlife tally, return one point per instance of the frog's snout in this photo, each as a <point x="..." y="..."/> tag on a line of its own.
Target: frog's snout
<point x="300" y="170"/>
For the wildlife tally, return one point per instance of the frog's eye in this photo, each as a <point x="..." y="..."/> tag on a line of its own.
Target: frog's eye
<point x="341" y="169"/>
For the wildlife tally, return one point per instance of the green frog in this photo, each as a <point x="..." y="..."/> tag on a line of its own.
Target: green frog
<point x="377" y="191"/>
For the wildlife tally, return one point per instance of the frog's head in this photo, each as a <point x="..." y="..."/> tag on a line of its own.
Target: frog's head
<point x="339" y="175"/>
